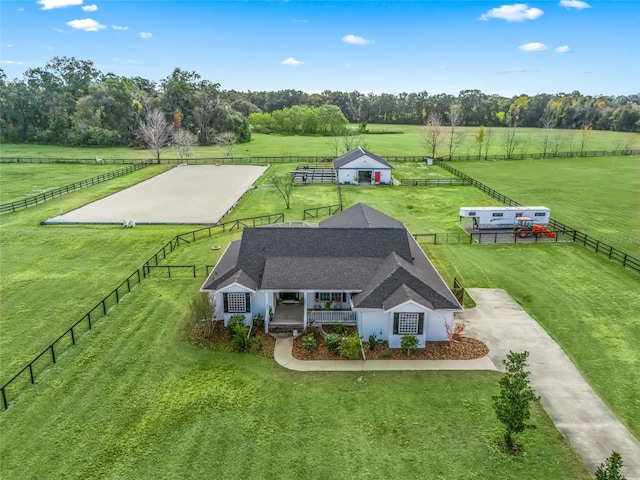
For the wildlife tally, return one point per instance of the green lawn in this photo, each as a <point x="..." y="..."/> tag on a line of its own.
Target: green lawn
<point x="150" y="405"/>
<point x="405" y="140"/>
<point x="23" y="180"/>
<point x="587" y="303"/>
<point x="134" y="400"/>
<point x="599" y="196"/>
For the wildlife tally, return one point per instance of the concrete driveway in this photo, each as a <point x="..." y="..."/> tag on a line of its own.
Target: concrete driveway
<point x="586" y="422"/>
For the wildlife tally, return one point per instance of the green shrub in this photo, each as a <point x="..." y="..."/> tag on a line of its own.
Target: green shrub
<point x="257" y="344"/>
<point x="611" y="468"/>
<point x="239" y="337"/>
<point x="372" y="341"/>
<point x="409" y="344"/>
<point x="339" y="329"/>
<point x="309" y="342"/>
<point x="333" y="342"/>
<point x="233" y="320"/>
<point x="258" y="321"/>
<point x="385" y="354"/>
<point x="350" y="347"/>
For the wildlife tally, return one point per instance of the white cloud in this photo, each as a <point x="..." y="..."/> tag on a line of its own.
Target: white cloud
<point x="9" y="45"/>
<point x="533" y="47"/>
<point x="146" y="35"/>
<point x="513" y="13"/>
<point x="86" y="24"/>
<point x="579" y="4"/>
<point x="562" y="49"/>
<point x="118" y="27"/>
<point x="355" y="40"/>
<point x="291" y="61"/>
<point x="50" y="48"/>
<point x="300" y="20"/>
<point x="21" y="9"/>
<point x="89" y="8"/>
<point x="51" y="4"/>
<point x="59" y="30"/>
<point x="11" y="62"/>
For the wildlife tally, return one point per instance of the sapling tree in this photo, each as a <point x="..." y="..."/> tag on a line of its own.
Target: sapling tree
<point x="611" y="468"/>
<point x="512" y="405"/>
<point x="156" y="132"/>
<point x="283" y="184"/>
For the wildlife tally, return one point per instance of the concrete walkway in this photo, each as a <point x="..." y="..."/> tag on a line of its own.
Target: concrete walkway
<point x="586" y="422"/>
<point x="282" y="355"/>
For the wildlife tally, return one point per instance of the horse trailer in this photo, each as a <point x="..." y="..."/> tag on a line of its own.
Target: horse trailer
<point x="503" y="217"/>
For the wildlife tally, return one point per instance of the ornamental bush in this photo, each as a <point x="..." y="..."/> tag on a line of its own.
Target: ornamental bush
<point x="333" y="342"/>
<point x="350" y="347"/>
<point x="409" y="344"/>
<point x="309" y="342"/>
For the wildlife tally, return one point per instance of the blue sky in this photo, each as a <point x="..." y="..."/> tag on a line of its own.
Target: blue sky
<point x="497" y="47"/>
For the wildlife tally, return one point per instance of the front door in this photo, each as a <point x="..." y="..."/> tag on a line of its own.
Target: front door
<point x="289" y="296"/>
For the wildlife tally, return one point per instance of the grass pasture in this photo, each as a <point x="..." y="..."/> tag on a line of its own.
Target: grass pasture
<point x="392" y="140"/>
<point x="598" y="196"/>
<point x="24" y="180"/>
<point x="150" y="405"/>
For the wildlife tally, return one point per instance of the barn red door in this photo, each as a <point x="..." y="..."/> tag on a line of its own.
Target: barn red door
<point x="376" y="177"/>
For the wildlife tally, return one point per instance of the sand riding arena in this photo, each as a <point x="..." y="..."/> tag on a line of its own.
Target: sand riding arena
<point x="189" y="194"/>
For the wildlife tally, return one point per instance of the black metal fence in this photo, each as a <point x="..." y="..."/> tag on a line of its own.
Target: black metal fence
<point x="67" y="339"/>
<point x="596" y="245"/>
<point x="302" y="159"/>
<point x="324" y="210"/>
<point x="539" y="155"/>
<point x="56" y="192"/>
<point x="434" y="182"/>
<point x="458" y="291"/>
<point x="457" y="238"/>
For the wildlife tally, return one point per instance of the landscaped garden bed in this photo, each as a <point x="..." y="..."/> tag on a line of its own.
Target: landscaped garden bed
<point x="219" y="339"/>
<point x="464" y="349"/>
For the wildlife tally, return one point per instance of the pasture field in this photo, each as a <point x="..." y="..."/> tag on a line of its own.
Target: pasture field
<point x="135" y="400"/>
<point x="397" y="140"/>
<point x="599" y="196"/>
<point x="150" y="404"/>
<point x="24" y="180"/>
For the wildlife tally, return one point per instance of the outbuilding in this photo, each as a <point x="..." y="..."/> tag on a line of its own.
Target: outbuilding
<point x="361" y="167"/>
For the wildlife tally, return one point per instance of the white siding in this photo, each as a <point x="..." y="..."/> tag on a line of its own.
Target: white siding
<point x="374" y="322"/>
<point x="348" y="173"/>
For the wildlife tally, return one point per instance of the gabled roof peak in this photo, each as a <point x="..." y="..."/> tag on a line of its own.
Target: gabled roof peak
<point x="357" y="153"/>
<point x="361" y="215"/>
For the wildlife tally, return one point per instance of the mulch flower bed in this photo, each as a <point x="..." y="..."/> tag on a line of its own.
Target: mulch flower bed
<point x="219" y="339"/>
<point x="466" y="349"/>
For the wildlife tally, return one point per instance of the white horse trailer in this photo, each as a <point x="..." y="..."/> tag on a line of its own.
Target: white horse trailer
<point x="504" y="217"/>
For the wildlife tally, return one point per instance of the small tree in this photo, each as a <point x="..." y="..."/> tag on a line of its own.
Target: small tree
<point x="433" y="133"/>
<point x="183" y="141"/>
<point x="610" y="469"/>
<point x="156" y="132"/>
<point x="409" y="344"/>
<point x="512" y="404"/>
<point x="201" y="310"/>
<point x="283" y="183"/>
<point x="480" y="140"/>
<point x="226" y="140"/>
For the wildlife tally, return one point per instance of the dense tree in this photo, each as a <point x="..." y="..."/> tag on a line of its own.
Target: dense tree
<point x="69" y="101"/>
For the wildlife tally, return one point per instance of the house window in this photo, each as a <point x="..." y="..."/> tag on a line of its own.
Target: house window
<point x="541" y="214"/>
<point x="497" y="214"/>
<point x="237" y="302"/>
<point x="408" y="323"/>
<point x="331" y="297"/>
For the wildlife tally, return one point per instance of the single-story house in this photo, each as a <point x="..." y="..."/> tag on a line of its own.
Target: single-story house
<point x="358" y="267"/>
<point x="360" y="166"/>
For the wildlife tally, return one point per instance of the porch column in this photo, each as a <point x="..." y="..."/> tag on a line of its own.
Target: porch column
<point x="266" y="312"/>
<point x="304" y="304"/>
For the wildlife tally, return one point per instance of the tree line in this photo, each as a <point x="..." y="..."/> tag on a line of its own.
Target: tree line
<point x="69" y="101"/>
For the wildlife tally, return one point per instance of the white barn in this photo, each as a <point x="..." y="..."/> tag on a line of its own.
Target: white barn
<point x="360" y="166"/>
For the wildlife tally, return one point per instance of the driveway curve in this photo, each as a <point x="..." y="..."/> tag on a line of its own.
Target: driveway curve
<point x="592" y="430"/>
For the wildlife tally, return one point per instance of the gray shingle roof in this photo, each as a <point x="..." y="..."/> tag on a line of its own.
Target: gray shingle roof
<point x="357" y="153"/>
<point x="360" y="216"/>
<point x="381" y="260"/>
